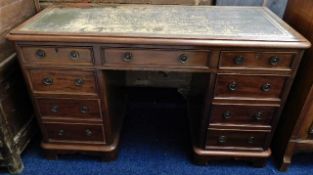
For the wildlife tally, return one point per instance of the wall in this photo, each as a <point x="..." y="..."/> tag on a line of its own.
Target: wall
<point x="45" y="3"/>
<point x="277" y="6"/>
<point x="12" y="13"/>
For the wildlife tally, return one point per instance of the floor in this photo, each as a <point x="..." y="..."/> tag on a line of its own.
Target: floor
<point x="151" y="146"/>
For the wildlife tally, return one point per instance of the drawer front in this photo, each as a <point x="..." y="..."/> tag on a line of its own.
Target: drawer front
<point x="238" y="114"/>
<point x="63" y="81"/>
<point x="152" y="57"/>
<point x="74" y="132"/>
<point x="69" y="108"/>
<point x="249" y="86"/>
<point x="58" y="55"/>
<point x="233" y="138"/>
<point x="254" y="60"/>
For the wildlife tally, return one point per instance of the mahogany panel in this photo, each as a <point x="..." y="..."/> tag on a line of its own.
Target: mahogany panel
<point x="252" y="86"/>
<point x="233" y="139"/>
<point x="256" y="60"/>
<point x="67" y="132"/>
<point x="242" y="115"/>
<point x="68" y="108"/>
<point x="58" y="55"/>
<point x="155" y="57"/>
<point x="62" y="81"/>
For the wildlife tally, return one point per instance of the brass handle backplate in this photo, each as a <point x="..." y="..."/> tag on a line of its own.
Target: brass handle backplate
<point x="74" y="55"/>
<point x="79" y="82"/>
<point x="251" y="140"/>
<point x="221" y="139"/>
<point x="274" y="60"/>
<point x="127" y="57"/>
<point x="227" y="115"/>
<point x="258" y="116"/>
<point x="232" y="86"/>
<point x="266" y="87"/>
<point x="61" y="132"/>
<point x="84" y="109"/>
<point x="55" y="108"/>
<point x="88" y="132"/>
<point x="40" y="53"/>
<point x="239" y="60"/>
<point x="183" y="58"/>
<point x="47" y="81"/>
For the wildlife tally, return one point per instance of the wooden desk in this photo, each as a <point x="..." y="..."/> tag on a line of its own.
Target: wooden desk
<point x="240" y="63"/>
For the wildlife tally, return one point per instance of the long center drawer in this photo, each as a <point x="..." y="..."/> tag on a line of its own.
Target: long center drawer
<point x="155" y="57"/>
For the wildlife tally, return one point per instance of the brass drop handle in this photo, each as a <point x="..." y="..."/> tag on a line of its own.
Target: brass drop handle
<point x="274" y="60"/>
<point x="232" y="86"/>
<point x="74" y="55"/>
<point x="251" y="140"/>
<point x="61" y="132"/>
<point x="40" y="53"/>
<point x="266" y="87"/>
<point x="239" y="60"/>
<point x="127" y="57"/>
<point x="221" y="139"/>
<point x="79" y="82"/>
<point x="55" y="108"/>
<point x="84" y="109"/>
<point x="47" y="81"/>
<point x="227" y="115"/>
<point x="88" y="132"/>
<point x="258" y="116"/>
<point x="183" y="58"/>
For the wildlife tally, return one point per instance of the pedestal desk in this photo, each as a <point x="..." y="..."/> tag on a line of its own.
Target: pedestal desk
<point x="237" y="65"/>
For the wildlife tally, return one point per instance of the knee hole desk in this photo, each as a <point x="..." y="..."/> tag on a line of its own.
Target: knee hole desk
<point x="235" y="66"/>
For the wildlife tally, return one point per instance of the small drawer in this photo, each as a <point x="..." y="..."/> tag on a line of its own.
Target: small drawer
<point x="156" y="57"/>
<point x="255" y="60"/>
<point x="74" y="132"/>
<point x="241" y="115"/>
<point x="223" y="139"/>
<point x="68" y="108"/>
<point x="58" y="55"/>
<point x="60" y="82"/>
<point x="248" y="86"/>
